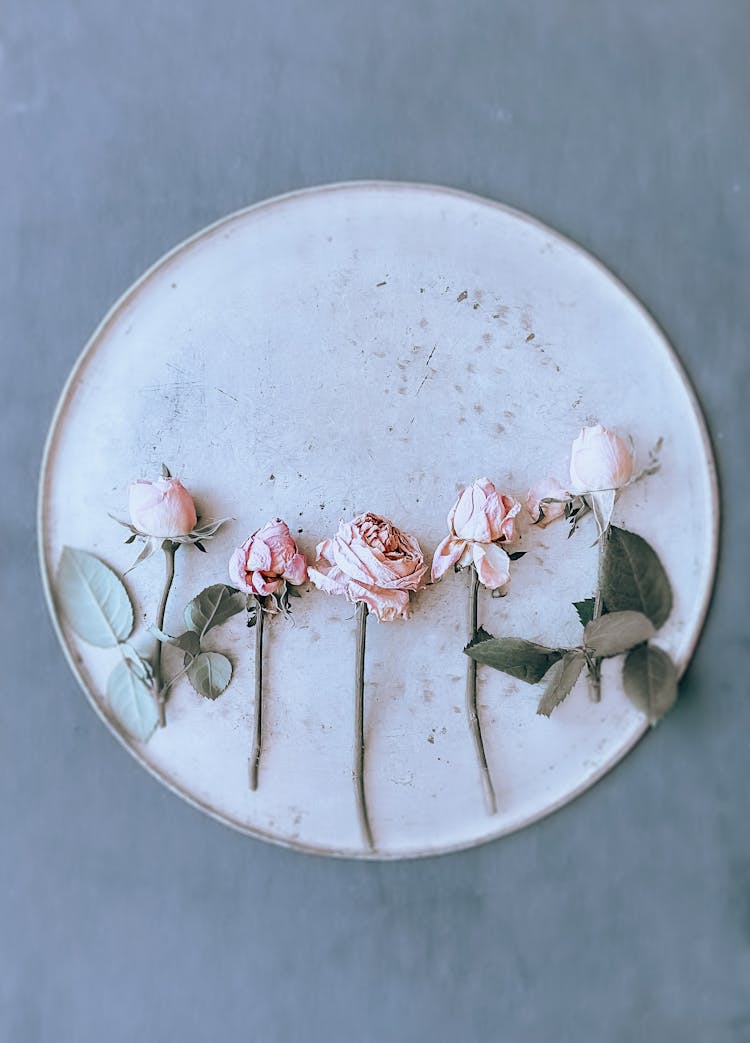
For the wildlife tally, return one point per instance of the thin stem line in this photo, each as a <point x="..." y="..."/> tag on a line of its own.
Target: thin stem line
<point x="359" y="725"/>
<point x="472" y="711"/>
<point x="258" y="723"/>
<point x="180" y="673"/>
<point x="596" y="671"/>
<point x="169" y="549"/>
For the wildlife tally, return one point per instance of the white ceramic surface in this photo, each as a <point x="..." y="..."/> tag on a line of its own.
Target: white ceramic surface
<point x="369" y="346"/>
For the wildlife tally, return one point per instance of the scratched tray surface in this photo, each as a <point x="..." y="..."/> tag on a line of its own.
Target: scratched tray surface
<point x="369" y="347"/>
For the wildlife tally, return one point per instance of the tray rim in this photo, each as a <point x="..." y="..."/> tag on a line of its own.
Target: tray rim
<point x="131" y="293"/>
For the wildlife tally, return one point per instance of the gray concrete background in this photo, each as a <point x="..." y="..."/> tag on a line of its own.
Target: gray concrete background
<point x="125" y="914"/>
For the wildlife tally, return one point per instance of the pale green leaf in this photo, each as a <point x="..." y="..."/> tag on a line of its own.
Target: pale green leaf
<point x="632" y="578"/>
<point x="650" y="681"/>
<point x="513" y="655"/>
<point x="212" y="607"/>
<point x="209" y="674"/>
<point x="566" y="673"/>
<point x="93" y="599"/>
<point x="617" y="632"/>
<point x="131" y="702"/>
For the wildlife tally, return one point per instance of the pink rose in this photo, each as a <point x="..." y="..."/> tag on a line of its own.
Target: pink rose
<point x="370" y="560"/>
<point x="599" y="459"/>
<point x="267" y="559"/>
<point x="540" y="513"/>
<point x="480" y="520"/>
<point x="163" y="508"/>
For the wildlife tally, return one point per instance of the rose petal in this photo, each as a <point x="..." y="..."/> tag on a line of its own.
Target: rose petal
<point x="238" y="572"/>
<point x="163" y="508"/>
<point x="447" y="554"/>
<point x="387" y="605"/>
<point x="492" y="565"/>
<point x="259" y="555"/>
<point x="547" y="487"/>
<point x="263" y="586"/>
<point x="487" y="487"/>
<point x="296" y="570"/>
<point x="508" y="527"/>
<point x="599" y="460"/>
<point x="469" y="520"/>
<point x="331" y="581"/>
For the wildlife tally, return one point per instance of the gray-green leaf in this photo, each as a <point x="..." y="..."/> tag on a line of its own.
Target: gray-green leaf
<point x="132" y="702"/>
<point x="633" y="578"/>
<point x="650" y="681"/>
<point x="93" y="599"/>
<point x="617" y="632"/>
<point x="585" y="610"/>
<point x="566" y="675"/>
<point x="212" y="607"/>
<point x="189" y="641"/>
<point x="209" y="674"/>
<point x="513" y="655"/>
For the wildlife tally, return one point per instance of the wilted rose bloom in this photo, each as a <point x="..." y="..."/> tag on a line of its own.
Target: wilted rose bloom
<point x="370" y="560"/>
<point x="540" y="513"/>
<point x="480" y="520"/>
<point x="599" y="459"/>
<point x="163" y="508"/>
<point x="267" y="559"/>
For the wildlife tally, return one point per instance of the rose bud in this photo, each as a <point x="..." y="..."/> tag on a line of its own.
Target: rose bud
<point x="541" y="513"/>
<point x="163" y="508"/>
<point x="370" y="560"/>
<point x="267" y="559"/>
<point x="479" y="522"/>
<point x="599" y="460"/>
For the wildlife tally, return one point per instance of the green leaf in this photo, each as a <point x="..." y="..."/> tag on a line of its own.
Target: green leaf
<point x="522" y="659"/>
<point x="585" y="610"/>
<point x="189" y="641"/>
<point x="209" y="674"/>
<point x="632" y="578"/>
<point x="566" y="675"/>
<point x="93" y="599"/>
<point x="212" y="607"/>
<point x="650" y="680"/>
<point x="617" y="632"/>
<point x="132" y="702"/>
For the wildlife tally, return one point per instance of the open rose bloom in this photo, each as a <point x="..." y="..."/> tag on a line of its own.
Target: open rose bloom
<point x="480" y="522"/>
<point x="266" y="560"/>
<point x="370" y="560"/>
<point x="163" y="508"/>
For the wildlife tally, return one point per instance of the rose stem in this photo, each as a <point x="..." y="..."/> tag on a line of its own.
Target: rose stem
<point x="169" y="549"/>
<point x="596" y="671"/>
<point x="257" y="733"/>
<point x="471" y="697"/>
<point x="359" y="725"/>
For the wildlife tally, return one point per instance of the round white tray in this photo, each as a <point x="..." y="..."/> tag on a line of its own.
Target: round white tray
<point x="372" y="346"/>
